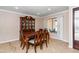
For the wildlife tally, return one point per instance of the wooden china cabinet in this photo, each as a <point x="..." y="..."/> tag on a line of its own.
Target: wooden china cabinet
<point x="27" y="24"/>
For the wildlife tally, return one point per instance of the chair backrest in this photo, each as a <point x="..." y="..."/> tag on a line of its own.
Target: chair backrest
<point x="40" y="29"/>
<point x="46" y="34"/>
<point x="21" y="35"/>
<point x="41" y="32"/>
<point x="37" y="37"/>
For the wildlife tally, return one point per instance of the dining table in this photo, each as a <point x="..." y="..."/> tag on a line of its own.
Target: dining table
<point x="28" y="35"/>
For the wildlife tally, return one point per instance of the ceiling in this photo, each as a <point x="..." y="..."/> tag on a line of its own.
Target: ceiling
<point x="35" y="10"/>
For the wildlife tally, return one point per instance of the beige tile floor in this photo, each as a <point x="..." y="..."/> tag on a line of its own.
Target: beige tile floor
<point x="54" y="46"/>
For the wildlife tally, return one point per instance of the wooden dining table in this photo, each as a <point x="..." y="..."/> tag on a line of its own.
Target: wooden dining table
<point x="28" y="35"/>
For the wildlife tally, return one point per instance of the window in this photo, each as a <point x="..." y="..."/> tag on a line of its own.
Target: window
<point x="52" y="25"/>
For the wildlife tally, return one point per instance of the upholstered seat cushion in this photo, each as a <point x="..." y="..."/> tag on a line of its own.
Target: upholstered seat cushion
<point x="31" y="41"/>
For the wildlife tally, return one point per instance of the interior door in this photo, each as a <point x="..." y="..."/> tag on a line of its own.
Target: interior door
<point x="76" y="28"/>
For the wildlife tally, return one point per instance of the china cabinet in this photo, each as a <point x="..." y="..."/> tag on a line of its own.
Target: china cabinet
<point x="27" y="24"/>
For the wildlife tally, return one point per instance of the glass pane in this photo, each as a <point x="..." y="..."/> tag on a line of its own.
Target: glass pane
<point x="76" y="25"/>
<point x="30" y="22"/>
<point x="50" y="24"/>
<point x="55" y="25"/>
<point x="26" y="21"/>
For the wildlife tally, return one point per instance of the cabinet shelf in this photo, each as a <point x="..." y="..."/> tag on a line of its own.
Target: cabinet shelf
<point x="27" y="23"/>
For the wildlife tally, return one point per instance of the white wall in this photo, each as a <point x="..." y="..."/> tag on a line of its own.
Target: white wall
<point x="39" y="23"/>
<point x="10" y="25"/>
<point x="65" y="14"/>
<point x="66" y="26"/>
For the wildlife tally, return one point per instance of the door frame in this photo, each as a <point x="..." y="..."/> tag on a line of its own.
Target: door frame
<point x="74" y="42"/>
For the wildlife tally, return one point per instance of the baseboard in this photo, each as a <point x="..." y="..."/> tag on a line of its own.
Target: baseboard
<point x="65" y="40"/>
<point x="59" y="39"/>
<point x="8" y="40"/>
<point x="70" y="46"/>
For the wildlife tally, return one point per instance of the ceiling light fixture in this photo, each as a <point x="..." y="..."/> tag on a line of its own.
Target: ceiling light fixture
<point x="49" y="9"/>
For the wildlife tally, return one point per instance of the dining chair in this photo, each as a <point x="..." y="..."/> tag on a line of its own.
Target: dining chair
<point x="36" y="41"/>
<point x="23" y="40"/>
<point x="41" y="33"/>
<point x="46" y="37"/>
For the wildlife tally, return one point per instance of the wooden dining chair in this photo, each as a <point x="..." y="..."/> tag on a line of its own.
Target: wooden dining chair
<point x="46" y="37"/>
<point x="23" y="40"/>
<point x="35" y="41"/>
<point x="41" y="33"/>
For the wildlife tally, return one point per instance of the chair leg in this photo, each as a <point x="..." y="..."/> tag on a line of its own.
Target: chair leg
<point x="26" y="50"/>
<point x="46" y="44"/>
<point x="27" y="47"/>
<point x="41" y="46"/>
<point x="48" y="39"/>
<point x="35" y="49"/>
<point x="23" y="46"/>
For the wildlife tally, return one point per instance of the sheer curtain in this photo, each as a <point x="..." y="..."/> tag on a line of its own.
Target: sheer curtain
<point x="60" y="27"/>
